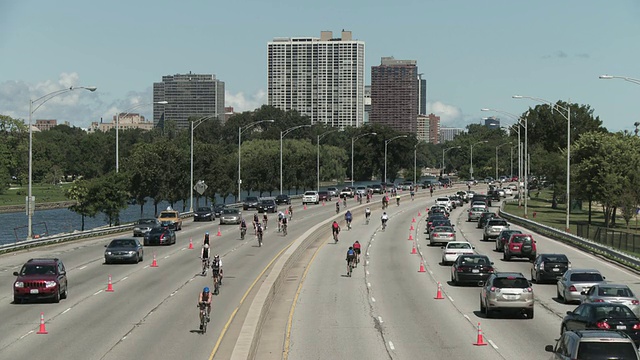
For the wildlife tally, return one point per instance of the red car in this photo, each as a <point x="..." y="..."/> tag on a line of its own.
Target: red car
<point x="520" y="245"/>
<point x="40" y="279"/>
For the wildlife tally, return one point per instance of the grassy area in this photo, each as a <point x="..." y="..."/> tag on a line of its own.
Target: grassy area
<point x="43" y="193"/>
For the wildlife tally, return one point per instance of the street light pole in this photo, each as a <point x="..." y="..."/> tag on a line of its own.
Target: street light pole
<point x="240" y="131"/>
<point x="497" y="147"/>
<point x="625" y="78"/>
<point x="127" y="112"/>
<point x="282" y="134"/>
<point x="353" y="140"/>
<point x="386" y="143"/>
<point x="471" y="165"/>
<point x="443" y="152"/>
<point x="415" y="163"/>
<point x="31" y="201"/>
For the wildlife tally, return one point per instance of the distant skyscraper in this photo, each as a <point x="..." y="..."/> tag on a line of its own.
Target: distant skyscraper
<point x="422" y="95"/>
<point x="423" y="128"/>
<point x="492" y="122"/>
<point x="434" y="128"/>
<point x="187" y="95"/>
<point x="320" y="78"/>
<point x="447" y="134"/>
<point x="367" y="103"/>
<point x="394" y="94"/>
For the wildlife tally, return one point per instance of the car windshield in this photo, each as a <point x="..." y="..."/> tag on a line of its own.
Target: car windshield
<point x="204" y="209"/>
<point x="266" y="202"/>
<point x="458" y="246"/>
<point x="38" y="270"/>
<point x="474" y="260"/>
<point x="229" y="211"/>
<point x="167" y="215"/>
<point x="310" y="193"/>
<point x="615" y="291"/>
<point x="586" y="277"/>
<point x="555" y="258"/>
<point x="511" y="282"/>
<point x="477" y="209"/>
<point x="589" y="350"/>
<point x="156" y="230"/>
<point x="251" y="198"/>
<point x="497" y="223"/>
<point x="122" y="243"/>
<point x="442" y="229"/>
<point x="146" y="221"/>
<point x="521" y="240"/>
<point x="442" y="199"/>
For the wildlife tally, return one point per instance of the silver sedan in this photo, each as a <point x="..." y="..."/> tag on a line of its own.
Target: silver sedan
<point x="612" y="293"/>
<point x="442" y="235"/>
<point x="575" y="281"/>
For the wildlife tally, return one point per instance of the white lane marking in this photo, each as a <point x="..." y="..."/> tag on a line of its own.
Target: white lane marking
<point x="430" y="272"/>
<point x="173" y="293"/>
<point x="450" y="298"/>
<point x="367" y="253"/>
<point x="368" y="284"/>
<point x="367" y="272"/>
<point x="466" y="317"/>
<point x="183" y="249"/>
<point x="166" y="257"/>
<point x="146" y="266"/>
<point x="391" y="346"/>
<point x="373" y="299"/>
<point x="123" y="338"/>
<point x="82" y="267"/>
<point x="492" y="344"/>
<point x="66" y="311"/>
<point x="97" y="292"/>
<point x="25" y="335"/>
<point x="190" y="280"/>
<point x="380" y="319"/>
<point x="124" y="278"/>
<point x="367" y="262"/>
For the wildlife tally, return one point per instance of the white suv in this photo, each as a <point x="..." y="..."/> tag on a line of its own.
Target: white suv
<point x="444" y="201"/>
<point x="310" y="197"/>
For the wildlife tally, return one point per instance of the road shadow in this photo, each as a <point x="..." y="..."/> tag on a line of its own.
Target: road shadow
<point x="197" y="331"/>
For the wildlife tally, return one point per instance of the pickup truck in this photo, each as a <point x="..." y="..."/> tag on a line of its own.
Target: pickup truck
<point x="171" y="219"/>
<point x="311" y="197"/>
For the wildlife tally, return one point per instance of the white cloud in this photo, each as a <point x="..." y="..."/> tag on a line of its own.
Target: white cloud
<point x="450" y="115"/>
<point x="241" y="103"/>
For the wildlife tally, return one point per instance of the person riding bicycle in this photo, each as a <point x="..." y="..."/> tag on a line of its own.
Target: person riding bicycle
<point x="204" y="254"/>
<point x="265" y="219"/>
<point x="367" y="214"/>
<point x="243" y="225"/>
<point x="216" y="266"/>
<point x="280" y="217"/>
<point x="356" y="248"/>
<point x="206" y="239"/>
<point x="384" y="218"/>
<point x="351" y="257"/>
<point x="348" y="218"/>
<point x="283" y="223"/>
<point x="337" y="206"/>
<point x="398" y="199"/>
<point x="256" y="221"/>
<point x="368" y="197"/>
<point x="259" y="230"/>
<point x="205" y="298"/>
<point x="335" y="229"/>
<point x="412" y="192"/>
<point x="290" y="211"/>
<point x="385" y="201"/>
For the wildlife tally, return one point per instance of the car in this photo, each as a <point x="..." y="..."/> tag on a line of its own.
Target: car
<point x="480" y="204"/>
<point x="267" y="205"/>
<point x="473" y="269"/>
<point x="170" y="218"/>
<point x="612" y="293"/>
<point x="444" y="201"/>
<point x="310" y="197"/>
<point x="484" y="217"/>
<point x="453" y="249"/>
<point x="501" y="193"/>
<point x="596" y="344"/>
<point x="507" y="191"/>
<point x="494" y="195"/>
<point x="547" y="267"/>
<point x="504" y="237"/>
<point x="439" y="209"/>
<point x="493" y="227"/>
<point x="434" y="217"/>
<point x="250" y="202"/>
<point x="434" y="223"/>
<point x="333" y="191"/>
<point x="40" y="278"/>
<point x="347" y="192"/>
<point x="324" y="196"/>
<point x="376" y="188"/>
<point x="603" y="316"/>
<point x="574" y="281"/>
<point x="480" y="197"/>
<point x="463" y="195"/>
<point x="456" y="201"/>
<point x="441" y="235"/>
<point x="143" y="226"/>
<point x="475" y="213"/>
<point x="507" y="291"/>
<point x="283" y="199"/>
<point x="160" y="236"/>
<point x="512" y="187"/>
<point x="204" y="213"/>
<point x="230" y="216"/>
<point x="217" y="209"/>
<point x="520" y="245"/>
<point x="361" y="190"/>
<point x="123" y="250"/>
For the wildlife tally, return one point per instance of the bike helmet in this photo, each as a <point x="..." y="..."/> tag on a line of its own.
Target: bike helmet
<point x="207" y="233"/>
<point x="350" y="247"/>
<point x="205" y="290"/>
<point x="217" y="256"/>
<point x="206" y="246"/>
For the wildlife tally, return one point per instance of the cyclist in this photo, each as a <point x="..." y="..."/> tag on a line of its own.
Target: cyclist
<point x="384" y="218"/>
<point x="206" y="238"/>
<point x="335" y="230"/>
<point x="204" y="255"/>
<point x="356" y="248"/>
<point x="284" y="225"/>
<point x="290" y="212"/>
<point x="385" y="201"/>
<point x="431" y="190"/>
<point x="216" y="266"/>
<point x="265" y="219"/>
<point x="412" y="192"/>
<point x="337" y="206"/>
<point x="397" y="199"/>
<point x="259" y="233"/>
<point x="280" y="217"/>
<point x="351" y="256"/>
<point x="368" y="197"/>
<point x="367" y="214"/>
<point x="243" y="228"/>
<point x="256" y="221"/>
<point x="344" y="200"/>
<point x="205" y="298"/>
<point x="348" y="217"/>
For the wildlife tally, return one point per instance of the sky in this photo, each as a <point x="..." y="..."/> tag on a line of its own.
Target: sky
<point x="474" y="54"/>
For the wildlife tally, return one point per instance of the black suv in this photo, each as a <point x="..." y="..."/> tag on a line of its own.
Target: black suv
<point x="549" y="267"/>
<point x="267" y="206"/>
<point x="40" y="279"/>
<point x="251" y="202"/>
<point x="283" y="199"/>
<point x="484" y="217"/>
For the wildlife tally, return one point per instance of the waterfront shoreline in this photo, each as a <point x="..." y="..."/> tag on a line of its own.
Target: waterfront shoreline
<point x="39" y="206"/>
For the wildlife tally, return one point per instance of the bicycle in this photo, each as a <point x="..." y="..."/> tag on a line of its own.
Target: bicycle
<point x="349" y="267"/>
<point x="366" y="219"/>
<point x="344" y="201"/>
<point x="264" y="224"/>
<point x="284" y="229"/>
<point x="243" y="232"/>
<point x="205" y="266"/>
<point x="384" y="225"/>
<point x="260" y="239"/>
<point x="216" y="282"/>
<point x="335" y="236"/>
<point x="203" y="318"/>
<point x="348" y="224"/>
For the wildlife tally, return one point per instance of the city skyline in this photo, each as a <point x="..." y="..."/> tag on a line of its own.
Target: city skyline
<point x="472" y="55"/>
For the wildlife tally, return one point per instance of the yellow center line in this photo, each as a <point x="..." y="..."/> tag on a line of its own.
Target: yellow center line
<point x="287" y="338"/>
<point x="233" y="314"/>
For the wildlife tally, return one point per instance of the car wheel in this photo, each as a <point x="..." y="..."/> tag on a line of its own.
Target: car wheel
<point x="558" y="295"/>
<point x="141" y="257"/>
<point x="56" y="298"/>
<point x="65" y="293"/>
<point x="487" y="312"/>
<point x="136" y="259"/>
<point x="484" y="238"/>
<point x="538" y="279"/>
<point x="563" y="328"/>
<point x="17" y="300"/>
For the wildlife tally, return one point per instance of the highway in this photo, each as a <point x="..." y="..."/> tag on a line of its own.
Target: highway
<point x="387" y="309"/>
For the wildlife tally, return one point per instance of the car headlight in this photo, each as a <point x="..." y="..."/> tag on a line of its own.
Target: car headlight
<point x="207" y="214"/>
<point x="19" y="284"/>
<point x="131" y="252"/>
<point x="108" y="253"/>
<point x="49" y="284"/>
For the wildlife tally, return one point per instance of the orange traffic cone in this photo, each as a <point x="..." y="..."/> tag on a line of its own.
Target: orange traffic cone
<point x="219" y="233"/>
<point x="419" y="213"/>
<point x="421" y="266"/>
<point x="154" y="263"/>
<point x="411" y="227"/>
<point x="414" y="220"/>
<point x="413" y="251"/>
<point x="439" y="293"/>
<point x="480" y="340"/>
<point x="190" y="243"/>
<point x="42" y="330"/>
<point x="109" y="285"/>
<point x="305" y="206"/>
<point x="322" y="202"/>
<point x="410" y="236"/>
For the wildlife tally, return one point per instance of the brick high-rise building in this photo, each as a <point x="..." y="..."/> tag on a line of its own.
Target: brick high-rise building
<point x="394" y="94"/>
<point x="434" y="128"/>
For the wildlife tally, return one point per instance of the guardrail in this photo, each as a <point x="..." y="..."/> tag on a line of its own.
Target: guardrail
<point x="573" y="240"/>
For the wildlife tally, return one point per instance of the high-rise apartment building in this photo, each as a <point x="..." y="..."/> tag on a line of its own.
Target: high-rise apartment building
<point x="434" y="128"/>
<point x="422" y="95"/>
<point x="322" y="78"/>
<point x="447" y="134"/>
<point x="367" y="103"/>
<point x="394" y="94"/>
<point x="188" y="95"/>
<point x="423" y="128"/>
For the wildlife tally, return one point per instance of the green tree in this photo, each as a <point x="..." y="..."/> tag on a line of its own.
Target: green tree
<point x="85" y="203"/>
<point x="142" y="168"/>
<point x="109" y="195"/>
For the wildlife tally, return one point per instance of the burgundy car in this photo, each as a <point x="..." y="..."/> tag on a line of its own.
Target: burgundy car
<point x="40" y="279"/>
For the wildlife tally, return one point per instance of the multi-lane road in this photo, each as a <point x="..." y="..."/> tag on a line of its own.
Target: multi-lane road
<point x="386" y="310"/>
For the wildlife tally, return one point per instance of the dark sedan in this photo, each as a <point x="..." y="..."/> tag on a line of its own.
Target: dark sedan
<point x="549" y="267"/>
<point x="160" y="236"/>
<point x="143" y="226"/>
<point x="324" y="196"/>
<point x="267" y="206"/>
<point x="204" y="213"/>
<point x="283" y="199"/>
<point x="123" y="250"/>
<point x="471" y="269"/>
<point x="603" y="316"/>
<point x="217" y="209"/>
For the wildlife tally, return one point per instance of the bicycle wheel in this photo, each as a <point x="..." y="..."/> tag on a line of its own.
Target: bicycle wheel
<point x="216" y="286"/>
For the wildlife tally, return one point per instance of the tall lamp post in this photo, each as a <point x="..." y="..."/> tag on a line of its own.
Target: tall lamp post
<point x="471" y="164"/>
<point x="282" y="135"/>
<point x="386" y="143"/>
<point x="318" y="155"/>
<point x="625" y="78"/>
<point x="353" y="140"/>
<point x="445" y="151"/>
<point x="242" y="129"/>
<point x="195" y="124"/>
<point x="568" y="118"/>
<point x="498" y="147"/>
<point x="127" y="112"/>
<point x="31" y="201"/>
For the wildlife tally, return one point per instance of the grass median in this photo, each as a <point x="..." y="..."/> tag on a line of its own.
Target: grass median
<point x="43" y="192"/>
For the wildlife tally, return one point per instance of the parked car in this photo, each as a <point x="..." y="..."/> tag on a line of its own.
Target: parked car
<point x="310" y="197"/>
<point x="548" y="267"/>
<point x="473" y="269"/>
<point x="160" y="236"/>
<point x="170" y="218"/>
<point x="376" y="188"/>
<point x="250" y="202"/>
<point x="612" y="293"/>
<point x="507" y="291"/>
<point x="283" y="199"/>
<point x="504" y="237"/>
<point x="453" y="249"/>
<point x="123" y="250"/>
<point x="442" y="235"/>
<point x="599" y="316"/>
<point x="475" y="213"/>
<point x="520" y="245"/>
<point x="484" y="217"/>
<point x="333" y="191"/>
<point x="204" y="213"/>
<point x="143" y="226"/>
<point x="267" y="205"/>
<point x="594" y="344"/>
<point x="324" y="196"/>
<point x="575" y="281"/>
<point x="493" y="227"/>
<point x="40" y="279"/>
<point x="217" y="209"/>
<point x="230" y="216"/>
